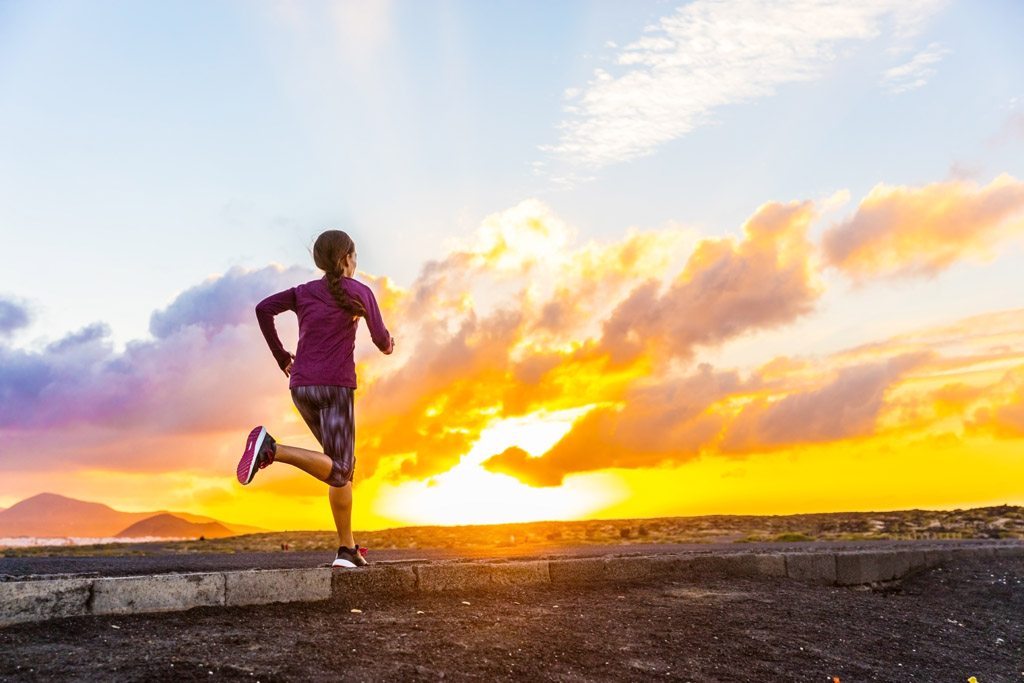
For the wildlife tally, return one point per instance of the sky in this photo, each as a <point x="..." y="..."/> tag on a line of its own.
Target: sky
<point x="640" y="259"/>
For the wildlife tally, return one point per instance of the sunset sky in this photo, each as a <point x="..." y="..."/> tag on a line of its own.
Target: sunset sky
<point x="640" y="258"/>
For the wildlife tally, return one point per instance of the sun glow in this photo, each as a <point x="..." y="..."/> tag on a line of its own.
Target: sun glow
<point x="469" y="494"/>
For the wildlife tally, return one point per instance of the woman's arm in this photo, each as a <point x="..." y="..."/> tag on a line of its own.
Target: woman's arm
<point x="378" y="332"/>
<point x="265" y="312"/>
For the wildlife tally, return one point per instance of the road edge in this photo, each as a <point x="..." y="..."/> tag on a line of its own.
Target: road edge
<point x="42" y="600"/>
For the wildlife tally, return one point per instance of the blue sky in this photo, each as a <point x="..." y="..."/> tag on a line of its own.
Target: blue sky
<point x="147" y="146"/>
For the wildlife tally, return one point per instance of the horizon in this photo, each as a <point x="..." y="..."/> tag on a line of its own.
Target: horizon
<point x="415" y="526"/>
<point x="661" y="259"/>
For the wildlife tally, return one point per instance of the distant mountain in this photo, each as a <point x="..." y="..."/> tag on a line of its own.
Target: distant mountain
<point x="49" y="515"/>
<point x="169" y="526"/>
<point x="236" y="528"/>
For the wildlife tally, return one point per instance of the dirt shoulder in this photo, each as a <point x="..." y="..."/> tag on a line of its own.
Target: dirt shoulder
<point x="949" y="623"/>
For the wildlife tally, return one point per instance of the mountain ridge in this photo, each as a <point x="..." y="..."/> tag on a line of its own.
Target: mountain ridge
<point x="51" y="515"/>
<point x="167" y="525"/>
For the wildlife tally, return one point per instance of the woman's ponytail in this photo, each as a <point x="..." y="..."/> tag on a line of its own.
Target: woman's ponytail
<point x="329" y="250"/>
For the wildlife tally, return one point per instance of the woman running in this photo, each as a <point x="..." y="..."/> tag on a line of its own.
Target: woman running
<point x="322" y="378"/>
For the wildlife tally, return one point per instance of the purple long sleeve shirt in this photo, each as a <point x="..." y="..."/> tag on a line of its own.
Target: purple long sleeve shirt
<point x="327" y="334"/>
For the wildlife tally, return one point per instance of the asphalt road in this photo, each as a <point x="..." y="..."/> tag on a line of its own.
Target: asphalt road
<point x="16" y="568"/>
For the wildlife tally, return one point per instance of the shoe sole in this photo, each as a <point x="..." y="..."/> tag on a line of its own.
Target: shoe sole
<point x="247" y="465"/>
<point x="343" y="563"/>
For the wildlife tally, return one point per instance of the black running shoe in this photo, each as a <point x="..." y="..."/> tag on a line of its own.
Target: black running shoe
<point x="347" y="557"/>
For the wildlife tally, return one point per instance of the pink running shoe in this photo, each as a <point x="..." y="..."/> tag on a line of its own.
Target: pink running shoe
<point x="260" y="450"/>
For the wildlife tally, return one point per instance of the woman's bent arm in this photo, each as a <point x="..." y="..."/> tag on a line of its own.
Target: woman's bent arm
<point x="265" y="312"/>
<point x="378" y="332"/>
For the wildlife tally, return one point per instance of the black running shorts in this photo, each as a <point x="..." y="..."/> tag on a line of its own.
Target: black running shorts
<point x="328" y="411"/>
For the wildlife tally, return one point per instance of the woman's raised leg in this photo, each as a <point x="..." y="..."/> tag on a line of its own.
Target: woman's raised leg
<point x="315" y="463"/>
<point x="308" y="401"/>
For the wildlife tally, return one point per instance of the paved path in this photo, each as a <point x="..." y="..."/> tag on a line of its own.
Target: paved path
<point x="961" y="619"/>
<point x="139" y="584"/>
<point x="14" y="568"/>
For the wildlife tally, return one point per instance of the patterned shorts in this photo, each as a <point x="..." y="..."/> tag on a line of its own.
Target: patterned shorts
<point x="328" y="410"/>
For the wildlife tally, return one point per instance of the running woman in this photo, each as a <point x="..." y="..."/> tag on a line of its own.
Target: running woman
<point x="322" y="378"/>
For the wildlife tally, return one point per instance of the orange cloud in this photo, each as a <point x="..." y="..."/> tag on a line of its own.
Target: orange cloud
<point x="676" y="421"/>
<point x="785" y="403"/>
<point x="725" y="290"/>
<point x="430" y="410"/>
<point x="538" y="350"/>
<point x="518" y="359"/>
<point x="654" y="424"/>
<point x="846" y="408"/>
<point x="913" y="232"/>
<point x="781" y="367"/>
<point x="954" y="398"/>
<point x="1004" y="418"/>
<point x="472" y="364"/>
<point x="976" y="339"/>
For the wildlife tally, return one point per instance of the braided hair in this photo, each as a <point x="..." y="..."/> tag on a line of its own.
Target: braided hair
<point x="329" y="251"/>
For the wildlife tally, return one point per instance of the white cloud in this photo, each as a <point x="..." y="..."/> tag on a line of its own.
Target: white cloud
<point x="835" y="201"/>
<point x="914" y="73"/>
<point x="569" y="180"/>
<point x="712" y="53"/>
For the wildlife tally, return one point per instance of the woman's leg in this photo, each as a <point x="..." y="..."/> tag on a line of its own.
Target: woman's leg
<point x="341" y="508"/>
<point x="308" y="402"/>
<point x="329" y="413"/>
<point x="315" y="463"/>
<point x="337" y="425"/>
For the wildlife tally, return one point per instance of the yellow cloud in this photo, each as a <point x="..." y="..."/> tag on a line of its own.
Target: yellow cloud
<point x="1003" y="418"/>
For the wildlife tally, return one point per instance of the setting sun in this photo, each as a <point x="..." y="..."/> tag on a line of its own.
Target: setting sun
<point x="469" y="494"/>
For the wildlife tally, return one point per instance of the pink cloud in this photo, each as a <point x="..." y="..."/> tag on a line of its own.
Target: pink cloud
<point x="919" y="232"/>
<point x="726" y="289"/>
<point x="207" y="371"/>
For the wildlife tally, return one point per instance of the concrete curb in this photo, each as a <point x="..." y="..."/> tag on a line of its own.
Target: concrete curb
<point x="160" y="593"/>
<point x="40" y="600"/>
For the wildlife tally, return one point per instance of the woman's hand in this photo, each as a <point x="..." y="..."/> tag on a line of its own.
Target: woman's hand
<point x="288" y="368"/>
<point x="390" y="348"/>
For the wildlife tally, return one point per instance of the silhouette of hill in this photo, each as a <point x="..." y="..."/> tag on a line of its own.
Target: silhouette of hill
<point x="169" y="526"/>
<point x="49" y="515"/>
<point x="200" y="519"/>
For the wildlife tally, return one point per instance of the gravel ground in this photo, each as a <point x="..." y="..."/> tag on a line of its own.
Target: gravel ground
<point x="945" y="624"/>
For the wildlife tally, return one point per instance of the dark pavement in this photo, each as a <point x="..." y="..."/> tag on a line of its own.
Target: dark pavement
<point x="958" y="620"/>
<point x="163" y="562"/>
